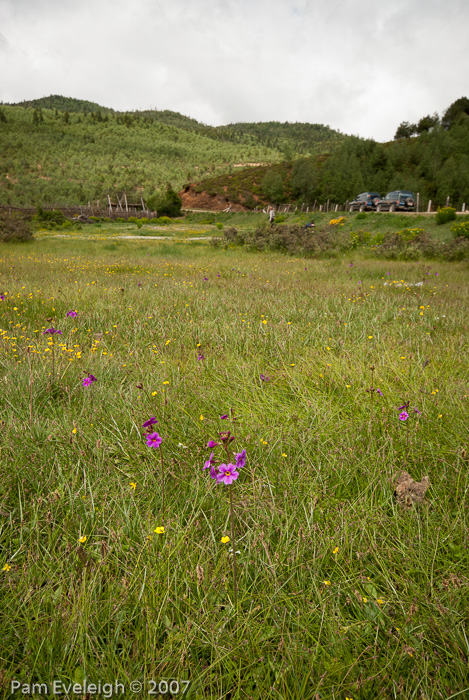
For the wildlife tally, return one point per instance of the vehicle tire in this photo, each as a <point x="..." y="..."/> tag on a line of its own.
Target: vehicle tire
<point x="350" y="209"/>
<point x="361" y="208"/>
<point x="392" y="207"/>
<point x="409" y="202"/>
<point x="375" y="202"/>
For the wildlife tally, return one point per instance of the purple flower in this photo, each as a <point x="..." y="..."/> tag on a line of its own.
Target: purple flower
<point x="226" y="474"/>
<point x="154" y="440"/>
<point x="212" y="443"/>
<point x="378" y="391"/>
<point x="205" y="279"/>
<point x="241" y="459"/>
<point x="404" y="406"/>
<point x="403" y="416"/>
<point x="264" y="378"/>
<point x="150" y="421"/>
<point x="208" y="463"/>
<point x="72" y="313"/>
<point x="2" y="297"/>
<point x="224" y="416"/>
<point x="417" y="411"/>
<point x="51" y="331"/>
<point x="200" y="357"/>
<point x="89" y="380"/>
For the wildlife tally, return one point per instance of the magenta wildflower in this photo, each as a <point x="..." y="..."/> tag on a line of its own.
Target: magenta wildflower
<point x="403" y="416"/>
<point x="2" y="297"/>
<point x="150" y="421"/>
<point x="417" y="411"/>
<point x="213" y="472"/>
<point x="208" y="463"/>
<point x="154" y="440"/>
<point x="51" y="331"/>
<point x="224" y="416"/>
<point x="92" y="378"/>
<point x="264" y="378"/>
<point x="404" y="406"/>
<point x="227" y="474"/>
<point x="378" y="391"/>
<point x="241" y="459"/>
<point x="87" y="381"/>
<point x="72" y="313"/>
<point x="212" y="443"/>
<point x="200" y="357"/>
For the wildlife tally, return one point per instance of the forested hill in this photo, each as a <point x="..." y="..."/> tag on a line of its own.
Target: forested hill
<point x="430" y="158"/>
<point x="62" y="151"/>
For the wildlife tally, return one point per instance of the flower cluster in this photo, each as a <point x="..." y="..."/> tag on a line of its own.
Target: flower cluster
<point x="89" y="380"/>
<point x="51" y="331"/>
<point x="153" y="439"/>
<point x="404" y="415"/>
<point x="225" y="473"/>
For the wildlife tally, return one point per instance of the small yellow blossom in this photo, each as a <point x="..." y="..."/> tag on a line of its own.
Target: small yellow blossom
<point x="327" y="583"/>
<point x="370" y="337"/>
<point x="283" y="454"/>
<point x="154" y="393"/>
<point x="201" y="417"/>
<point x="83" y="539"/>
<point x="225" y="539"/>
<point x="133" y="485"/>
<point x="165" y="382"/>
<point x="365" y="600"/>
<point x="292" y="364"/>
<point x="74" y="431"/>
<point x="159" y="530"/>
<point x="7" y="567"/>
<point x="380" y="601"/>
<point x="335" y="551"/>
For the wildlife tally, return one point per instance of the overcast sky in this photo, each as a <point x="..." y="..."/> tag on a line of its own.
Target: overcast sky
<point x="359" y="67"/>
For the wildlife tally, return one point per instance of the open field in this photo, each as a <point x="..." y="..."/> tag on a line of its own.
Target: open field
<point x="342" y="590"/>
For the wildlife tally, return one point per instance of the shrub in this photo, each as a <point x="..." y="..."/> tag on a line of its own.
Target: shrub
<point x="144" y="220"/>
<point x="219" y="225"/>
<point x="460" y="229"/>
<point x="445" y="214"/>
<point x="132" y="220"/>
<point x="120" y="220"/>
<point x="361" y="215"/>
<point x="162" y="220"/>
<point x="14" y="228"/>
<point x="50" y="216"/>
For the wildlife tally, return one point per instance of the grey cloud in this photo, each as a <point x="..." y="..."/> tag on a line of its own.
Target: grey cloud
<point x="359" y="69"/>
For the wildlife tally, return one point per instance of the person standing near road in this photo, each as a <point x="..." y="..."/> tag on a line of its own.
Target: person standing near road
<point x="272" y="216"/>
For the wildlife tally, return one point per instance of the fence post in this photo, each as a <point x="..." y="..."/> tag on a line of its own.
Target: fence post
<point x="418" y="202"/>
<point x="429" y="208"/>
<point x="463" y="208"/>
<point x="447" y="201"/>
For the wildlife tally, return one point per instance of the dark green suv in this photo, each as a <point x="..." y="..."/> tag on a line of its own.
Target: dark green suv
<point x="401" y="200"/>
<point x="365" y="201"/>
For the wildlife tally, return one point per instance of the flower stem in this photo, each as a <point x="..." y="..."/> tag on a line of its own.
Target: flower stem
<point x="235" y="573"/>
<point x="162" y="479"/>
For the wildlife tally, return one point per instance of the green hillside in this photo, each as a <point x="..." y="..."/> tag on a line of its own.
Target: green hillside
<point x="61" y="151"/>
<point x="434" y="164"/>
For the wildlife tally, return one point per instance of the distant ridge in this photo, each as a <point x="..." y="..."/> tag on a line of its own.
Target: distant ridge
<point x="63" y="104"/>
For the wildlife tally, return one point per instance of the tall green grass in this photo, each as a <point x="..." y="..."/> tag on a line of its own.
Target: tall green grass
<point x="341" y="591"/>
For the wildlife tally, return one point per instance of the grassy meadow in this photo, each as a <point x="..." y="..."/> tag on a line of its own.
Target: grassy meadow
<point x="342" y="592"/>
